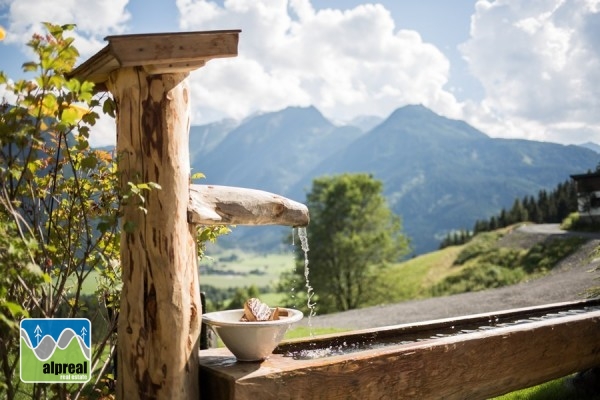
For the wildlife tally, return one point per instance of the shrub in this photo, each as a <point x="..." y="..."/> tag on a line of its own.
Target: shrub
<point x="544" y="256"/>
<point x="481" y="244"/>
<point x="478" y="277"/>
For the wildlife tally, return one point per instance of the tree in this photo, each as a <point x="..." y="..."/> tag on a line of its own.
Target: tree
<point x="241" y="295"/>
<point x="352" y="235"/>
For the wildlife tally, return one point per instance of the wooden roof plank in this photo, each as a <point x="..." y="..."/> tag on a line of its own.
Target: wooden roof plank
<point x="139" y="50"/>
<point x="157" y="53"/>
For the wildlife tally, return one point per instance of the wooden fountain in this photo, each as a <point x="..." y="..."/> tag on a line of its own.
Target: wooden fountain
<point x="160" y="311"/>
<point x="159" y="321"/>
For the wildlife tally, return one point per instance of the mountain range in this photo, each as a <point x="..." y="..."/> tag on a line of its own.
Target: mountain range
<point x="439" y="174"/>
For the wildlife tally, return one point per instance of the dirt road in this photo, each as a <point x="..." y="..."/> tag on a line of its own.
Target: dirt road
<point x="568" y="281"/>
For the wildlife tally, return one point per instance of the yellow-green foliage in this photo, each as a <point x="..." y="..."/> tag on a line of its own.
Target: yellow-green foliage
<point x="482" y="263"/>
<point x="574" y="222"/>
<point x="556" y="389"/>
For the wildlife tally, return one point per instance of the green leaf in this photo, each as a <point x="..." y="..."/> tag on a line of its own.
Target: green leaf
<point x="103" y="227"/>
<point x="69" y="116"/>
<point x="50" y="103"/>
<point x="198" y="175"/>
<point x="82" y="145"/>
<point x="89" y="162"/>
<point x="29" y="66"/>
<point x="15" y="309"/>
<point x="73" y="85"/>
<point x="109" y="107"/>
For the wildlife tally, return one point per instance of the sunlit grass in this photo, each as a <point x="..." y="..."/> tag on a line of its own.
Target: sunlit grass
<point x="306" y="332"/>
<point x="552" y="390"/>
<point x="413" y="278"/>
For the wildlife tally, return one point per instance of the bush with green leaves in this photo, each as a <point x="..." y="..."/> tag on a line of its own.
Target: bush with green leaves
<point x="58" y="209"/>
<point x="485" y="264"/>
<point x="59" y="213"/>
<point x="478" y="277"/>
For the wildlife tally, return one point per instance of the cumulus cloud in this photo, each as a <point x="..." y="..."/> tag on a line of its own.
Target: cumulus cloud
<point x="345" y="62"/>
<point x="94" y="19"/>
<point x="539" y="63"/>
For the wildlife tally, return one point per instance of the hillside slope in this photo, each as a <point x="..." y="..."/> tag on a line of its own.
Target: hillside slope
<point x="568" y="281"/>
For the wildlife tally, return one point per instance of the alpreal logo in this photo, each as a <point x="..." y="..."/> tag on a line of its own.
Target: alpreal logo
<point x="56" y="350"/>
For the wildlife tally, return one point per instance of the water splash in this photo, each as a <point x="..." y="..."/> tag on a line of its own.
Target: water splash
<point x="309" y="290"/>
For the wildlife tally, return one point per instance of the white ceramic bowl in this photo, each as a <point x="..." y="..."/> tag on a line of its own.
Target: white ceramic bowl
<point x="250" y="341"/>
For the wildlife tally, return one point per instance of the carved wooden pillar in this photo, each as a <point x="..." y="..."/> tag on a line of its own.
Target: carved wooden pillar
<point x="159" y="322"/>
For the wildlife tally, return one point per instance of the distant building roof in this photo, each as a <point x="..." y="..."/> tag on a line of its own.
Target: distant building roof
<point x="587" y="183"/>
<point x="589" y="175"/>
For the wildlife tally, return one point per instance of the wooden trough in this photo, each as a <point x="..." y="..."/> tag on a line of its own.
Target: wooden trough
<point x="449" y="359"/>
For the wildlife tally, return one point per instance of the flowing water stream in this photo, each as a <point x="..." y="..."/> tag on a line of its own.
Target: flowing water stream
<point x="303" y="237"/>
<point x="309" y="290"/>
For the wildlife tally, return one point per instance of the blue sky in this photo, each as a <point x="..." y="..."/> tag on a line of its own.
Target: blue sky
<point x="511" y="68"/>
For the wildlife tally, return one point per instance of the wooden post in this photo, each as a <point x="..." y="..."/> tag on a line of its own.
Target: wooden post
<point x="159" y="322"/>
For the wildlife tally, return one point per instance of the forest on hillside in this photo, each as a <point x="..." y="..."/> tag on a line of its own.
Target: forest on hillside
<point x="548" y="207"/>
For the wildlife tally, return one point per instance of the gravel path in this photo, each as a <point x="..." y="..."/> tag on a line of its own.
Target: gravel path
<point x="568" y="281"/>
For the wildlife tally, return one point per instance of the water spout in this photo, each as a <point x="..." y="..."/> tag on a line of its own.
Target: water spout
<point x="218" y="205"/>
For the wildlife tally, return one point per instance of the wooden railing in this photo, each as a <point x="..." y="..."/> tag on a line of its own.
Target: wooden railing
<point x="419" y="361"/>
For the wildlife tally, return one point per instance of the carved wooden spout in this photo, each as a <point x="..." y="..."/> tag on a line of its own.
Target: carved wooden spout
<point x="226" y="205"/>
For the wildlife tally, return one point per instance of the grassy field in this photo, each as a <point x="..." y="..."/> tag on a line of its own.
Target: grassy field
<point x="248" y="269"/>
<point x="558" y="389"/>
<point x="413" y="279"/>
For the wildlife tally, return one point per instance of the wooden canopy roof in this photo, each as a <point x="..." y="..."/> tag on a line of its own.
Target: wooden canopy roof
<point x="157" y="53"/>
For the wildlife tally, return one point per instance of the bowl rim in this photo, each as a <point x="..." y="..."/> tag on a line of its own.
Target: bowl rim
<point x="211" y="318"/>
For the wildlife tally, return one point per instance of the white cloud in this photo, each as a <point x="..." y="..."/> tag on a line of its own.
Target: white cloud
<point x="94" y="20"/>
<point x="344" y="62"/>
<point x="539" y="63"/>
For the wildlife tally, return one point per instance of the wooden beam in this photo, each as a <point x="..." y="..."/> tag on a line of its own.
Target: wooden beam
<point x="216" y="205"/>
<point x="136" y="50"/>
<point x="475" y="365"/>
<point x="157" y="53"/>
<point x="159" y="317"/>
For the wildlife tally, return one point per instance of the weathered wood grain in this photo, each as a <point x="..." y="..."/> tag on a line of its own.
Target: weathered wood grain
<point x="216" y="205"/>
<point x="157" y="53"/>
<point x="159" y="319"/>
<point x="177" y="47"/>
<point x="475" y="365"/>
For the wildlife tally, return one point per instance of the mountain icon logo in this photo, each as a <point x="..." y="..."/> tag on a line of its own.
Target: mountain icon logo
<point x="56" y="350"/>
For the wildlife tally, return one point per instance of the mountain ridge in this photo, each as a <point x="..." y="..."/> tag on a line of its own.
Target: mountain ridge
<point x="439" y="174"/>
